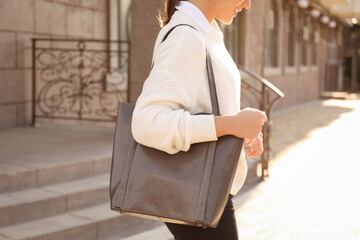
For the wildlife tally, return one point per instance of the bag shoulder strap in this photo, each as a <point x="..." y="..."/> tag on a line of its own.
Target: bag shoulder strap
<point x="171" y="29"/>
<point x="212" y="87"/>
<point x="210" y="71"/>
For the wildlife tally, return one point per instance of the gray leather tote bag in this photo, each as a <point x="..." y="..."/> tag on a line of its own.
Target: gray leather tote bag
<point x="189" y="188"/>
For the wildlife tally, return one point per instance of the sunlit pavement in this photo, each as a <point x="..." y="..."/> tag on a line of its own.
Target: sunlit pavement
<point x="314" y="187"/>
<point x="313" y="192"/>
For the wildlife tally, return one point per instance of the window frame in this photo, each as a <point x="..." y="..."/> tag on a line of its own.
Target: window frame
<point x="315" y="37"/>
<point x="272" y="60"/>
<point x="304" y="33"/>
<point x="290" y="38"/>
<point x="272" y="36"/>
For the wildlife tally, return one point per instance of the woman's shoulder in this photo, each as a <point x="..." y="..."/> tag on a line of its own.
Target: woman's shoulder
<point x="183" y="43"/>
<point x="181" y="35"/>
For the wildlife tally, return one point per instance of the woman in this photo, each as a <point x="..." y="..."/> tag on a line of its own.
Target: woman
<point x="166" y="115"/>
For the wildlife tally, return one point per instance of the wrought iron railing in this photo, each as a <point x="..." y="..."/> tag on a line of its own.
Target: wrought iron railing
<point x="79" y="79"/>
<point x="258" y="92"/>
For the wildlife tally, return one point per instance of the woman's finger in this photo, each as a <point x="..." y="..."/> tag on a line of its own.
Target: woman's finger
<point x="256" y="150"/>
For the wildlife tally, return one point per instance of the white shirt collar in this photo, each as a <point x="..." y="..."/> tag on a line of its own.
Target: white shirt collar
<point x="195" y="13"/>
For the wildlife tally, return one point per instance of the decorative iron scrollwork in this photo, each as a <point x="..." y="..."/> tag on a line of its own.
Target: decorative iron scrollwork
<point x="71" y="83"/>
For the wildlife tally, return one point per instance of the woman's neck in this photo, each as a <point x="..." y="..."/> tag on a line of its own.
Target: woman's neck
<point x="206" y="8"/>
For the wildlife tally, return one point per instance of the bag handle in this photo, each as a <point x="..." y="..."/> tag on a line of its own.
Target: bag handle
<point x="210" y="72"/>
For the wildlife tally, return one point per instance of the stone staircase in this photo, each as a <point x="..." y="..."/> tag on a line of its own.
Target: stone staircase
<point x="54" y="186"/>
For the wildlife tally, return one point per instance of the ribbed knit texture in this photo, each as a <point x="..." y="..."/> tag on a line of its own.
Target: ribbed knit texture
<point x="168" y="115"/>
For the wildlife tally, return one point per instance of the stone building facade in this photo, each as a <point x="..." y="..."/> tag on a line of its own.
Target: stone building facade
<point x="275" y="38"/>
<point x="22" y="20"/>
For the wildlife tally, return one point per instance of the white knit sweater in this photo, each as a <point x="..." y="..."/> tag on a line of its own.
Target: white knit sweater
<point x="176" y="90"/>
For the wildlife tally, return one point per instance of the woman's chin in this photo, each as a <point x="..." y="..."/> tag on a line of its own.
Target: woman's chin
<point x="226" y="21"/>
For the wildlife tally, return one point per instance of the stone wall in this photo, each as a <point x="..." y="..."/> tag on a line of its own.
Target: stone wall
<point x="144" y="30"/>
<point x="22" y="20"/>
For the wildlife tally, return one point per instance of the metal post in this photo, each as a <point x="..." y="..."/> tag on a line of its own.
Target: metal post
<point x="34" y="81"/>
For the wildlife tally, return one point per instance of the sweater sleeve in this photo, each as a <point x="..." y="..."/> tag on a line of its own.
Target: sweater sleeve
<point x="165" y="115"/>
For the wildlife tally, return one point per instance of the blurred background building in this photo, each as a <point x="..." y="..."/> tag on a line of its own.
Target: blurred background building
<point x="307" y="48"/>
<point x="66" y="64"/>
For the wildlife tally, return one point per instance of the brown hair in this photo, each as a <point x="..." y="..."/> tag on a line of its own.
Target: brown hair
<point x="169" y="8"/>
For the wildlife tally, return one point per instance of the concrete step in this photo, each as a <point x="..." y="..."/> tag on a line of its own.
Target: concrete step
<point x="22" y="206"/>
<point x="156" y="233"/>
<point x="37" y="157"/>
<point x="95" y="223"/>
<point x="15" y="178"/>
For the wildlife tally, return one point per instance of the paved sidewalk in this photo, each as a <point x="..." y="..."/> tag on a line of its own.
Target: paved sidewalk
<point x="312" y="192"/>
<point x="313" y="189"/>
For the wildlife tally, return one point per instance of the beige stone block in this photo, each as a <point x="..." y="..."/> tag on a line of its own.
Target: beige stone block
<point x="83" y="193"/>
<point x="141" y="56"/>
<point x="7" y="116"/>
<point x="102" y="166"/>
<point x="64" y="173"/>
<point x="100" y="25"/>
<point x="17" y="15"/>
<point x="85" y="232"/>
<point x="17" y="87"/>
<point x="50" y="18"/>
<point x="80" y="22"/>
<point x="24" y="114"/>
<point x="11" y="86"/>
<point x="87" y="199"/>
<point x="24" y="48"/>
<point x="7" y="50"/>
<point x="97" y="213"/>
<point x="127" y="227"/>
<point x="28" y="83"/>
<point x="33" y="195"/>
<point x="20" y="114"/>
<point x="144" y="64"/>
<point x="72" y="2"/>
<point x="136" y="89"/>
<point x="100" y="4"/>
<point x="96" y="4"/>
<point x="13" y="177"/>
<point x="30" y="205"/>
<point x="62" y="227"/>
<point x="145" y="12"/>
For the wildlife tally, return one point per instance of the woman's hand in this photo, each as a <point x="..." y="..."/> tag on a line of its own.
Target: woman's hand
<point x="245" y="124"/>
<point x="256" y="146"/>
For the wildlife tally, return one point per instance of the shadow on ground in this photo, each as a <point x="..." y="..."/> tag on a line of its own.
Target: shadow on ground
<point x="295" y="124"/>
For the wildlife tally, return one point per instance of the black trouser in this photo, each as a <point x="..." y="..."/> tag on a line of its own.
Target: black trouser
<point x="226" y="230"/>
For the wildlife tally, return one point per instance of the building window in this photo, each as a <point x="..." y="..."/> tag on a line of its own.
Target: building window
<point x="304" y="38"/>
<point x="271" y="36"/>
<point x="315" y="37"/>
<point x="290" y="39"/>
